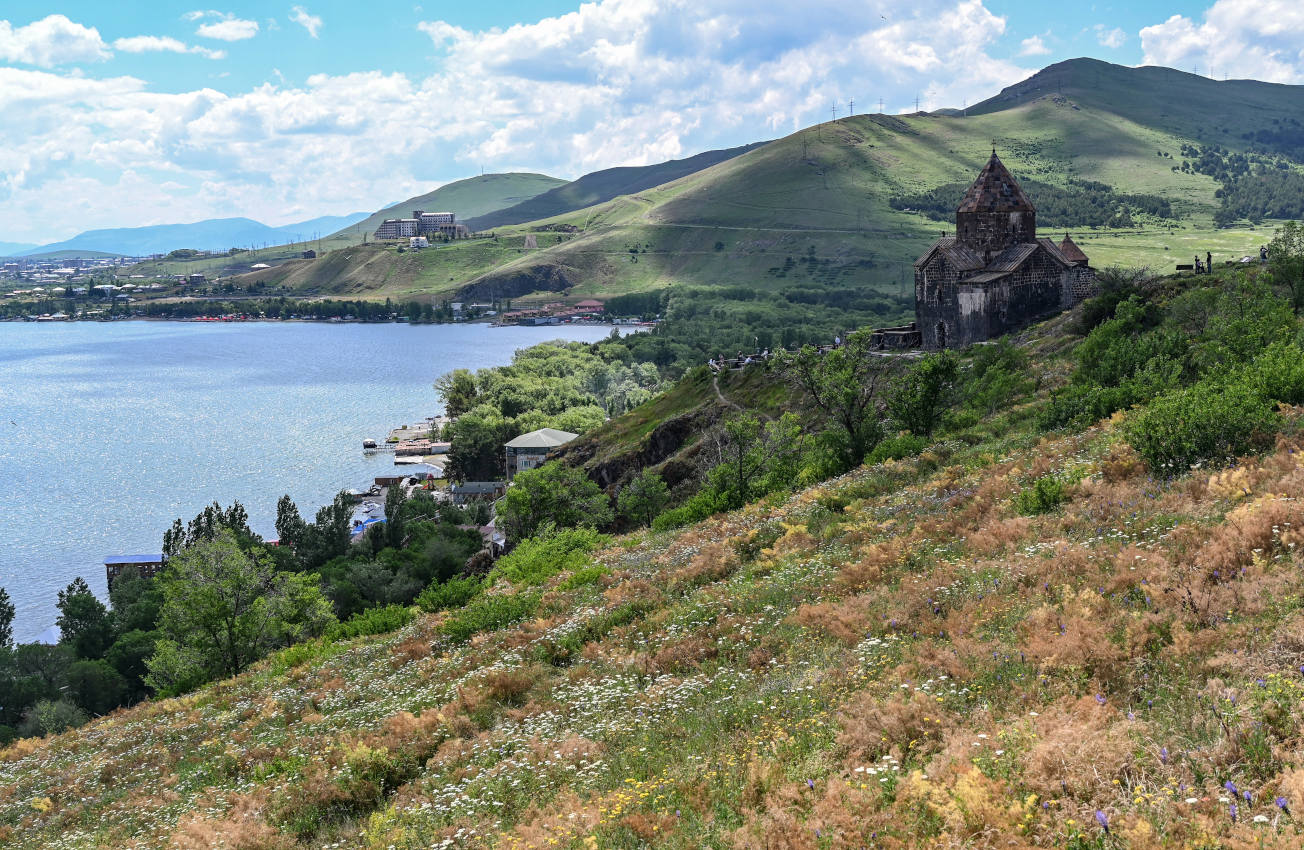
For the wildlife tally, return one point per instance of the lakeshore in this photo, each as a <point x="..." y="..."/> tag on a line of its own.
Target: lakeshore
<point x="115" y="429"/>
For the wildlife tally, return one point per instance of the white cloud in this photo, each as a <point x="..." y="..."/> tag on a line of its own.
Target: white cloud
<point x="617" y="82"/>
<point x="1259" y="39"/>
<point x="441" y="32"/>
<point x="163" y="44"/>
<point x="1033" y="46"/>
<point x="1112" y="38"/>
<point x="228" y="29"/>
<point x="312" y="23"/>
<point x="53" y="40"/>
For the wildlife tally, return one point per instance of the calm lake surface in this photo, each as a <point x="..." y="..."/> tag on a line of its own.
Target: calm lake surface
<point x="111" y="431"/>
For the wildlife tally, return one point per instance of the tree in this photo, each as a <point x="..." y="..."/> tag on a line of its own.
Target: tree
<point x="128" y="656"/>
<point x="749" y="458"/>
<point x="290" y="527"/>
<point x="135" y="602"/>
<point x="224" y="608"/>
<point x="643" y="498"/>
<point x="329" y="535"/>
<point x="50" y="717"/>
<point x="844" y="384"/>
<point x="916" y="400"/>
<point x="83" y="620"/>
<point x="457" y="391"/>
<point x="394" y="522"/>
<point x="477" y="451"/>
<point x="1286" y="259"/>
<point x="6" y="620"/>
<point x="552" y="493"/>
<point x="96" y="686"/>
<point x="207" y="525"/>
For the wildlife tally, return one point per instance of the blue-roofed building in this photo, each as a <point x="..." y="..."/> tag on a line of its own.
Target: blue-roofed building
<point x="147" y="566"/>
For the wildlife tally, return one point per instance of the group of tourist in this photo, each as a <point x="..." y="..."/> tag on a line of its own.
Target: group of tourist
<point x="742" y="361"/>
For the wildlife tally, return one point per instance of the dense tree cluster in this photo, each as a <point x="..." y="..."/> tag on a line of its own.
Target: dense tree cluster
<point x="1254" y="186"/>
<point x="568" y="386"/>
<point x="1081" y="203"/>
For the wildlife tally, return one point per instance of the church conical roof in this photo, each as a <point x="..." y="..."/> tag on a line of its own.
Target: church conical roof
<point x="995" y="190"/>
<point x="1071" y="251"/>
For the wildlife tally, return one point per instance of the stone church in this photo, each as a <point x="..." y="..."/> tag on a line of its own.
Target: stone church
<point x="995" y="275"/>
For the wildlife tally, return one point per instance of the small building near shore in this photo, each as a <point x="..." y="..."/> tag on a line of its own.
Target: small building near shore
<point x="146" y="566"/>
<point x="477" y="491"/>
<point x="530" y="450"/>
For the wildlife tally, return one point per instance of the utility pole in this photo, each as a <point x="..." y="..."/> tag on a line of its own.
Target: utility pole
<point x="834" y="110"/>
<point x="851" y="107"/>
<point x="880" y="106"/>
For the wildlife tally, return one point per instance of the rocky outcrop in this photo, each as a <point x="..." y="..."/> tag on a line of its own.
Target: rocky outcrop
<point x="515" y="283"/>
<point x="670" y="449"/>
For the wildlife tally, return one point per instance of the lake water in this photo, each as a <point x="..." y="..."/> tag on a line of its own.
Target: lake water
<point x="111" y="431"/>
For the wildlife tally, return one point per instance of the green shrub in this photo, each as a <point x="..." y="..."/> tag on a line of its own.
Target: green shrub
<point x="698" y="508"/>
<point x="895" y="448"/>
<point x="1082" y="404"/>
<point x="489" y="612"/>
<point x="1045" y="495"/>
<point x="454" y="593"/>
<point x="552" y="551"/>
<point x="1208" y="422"/>
<point x="315" y="651"/>
<point x="373" y="621"/>
<point x="1277" y="374"/>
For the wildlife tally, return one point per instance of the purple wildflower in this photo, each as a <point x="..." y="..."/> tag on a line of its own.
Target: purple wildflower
<point x="811" y="783"/>
<point x="1100" y="698"/>
<point x="1102" y="819"/>
<point x="1231" y="786"/>
<point x="1281" y="804"/>
<point x="1163" y="755"/>
<point x="1232" y="811"/>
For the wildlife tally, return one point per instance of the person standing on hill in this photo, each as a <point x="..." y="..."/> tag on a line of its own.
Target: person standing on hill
<point x="1198" y="267"/>
<point x="1208" y="262"/>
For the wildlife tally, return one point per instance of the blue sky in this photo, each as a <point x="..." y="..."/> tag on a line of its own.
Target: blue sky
<point x="144" y="113"/>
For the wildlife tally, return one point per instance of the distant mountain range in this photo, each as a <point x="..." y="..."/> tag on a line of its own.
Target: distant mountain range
<point x="218" y="234"/>
<point x="11" y="249"/>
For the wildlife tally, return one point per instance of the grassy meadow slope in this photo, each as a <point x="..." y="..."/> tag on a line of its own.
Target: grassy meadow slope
<point x="829" y="187"/>
<point x="895" y="658"/>
<point x="602" y="186"/>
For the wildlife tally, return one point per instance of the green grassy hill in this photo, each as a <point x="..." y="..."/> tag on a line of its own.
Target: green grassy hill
<point x="469" y="198"/>
<point x="472" y="196"/>
<point x="828" y="192"/>
<point x="603" y="186"/>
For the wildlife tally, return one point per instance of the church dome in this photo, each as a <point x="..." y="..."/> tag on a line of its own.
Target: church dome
<point x="995" y="190"/>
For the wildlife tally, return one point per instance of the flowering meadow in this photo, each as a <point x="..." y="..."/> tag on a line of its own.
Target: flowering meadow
<point x="908" y="655"/>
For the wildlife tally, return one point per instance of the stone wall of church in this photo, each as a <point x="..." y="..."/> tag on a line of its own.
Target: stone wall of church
<point x="989" y="233"/>
<point x="965" y="313"/>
